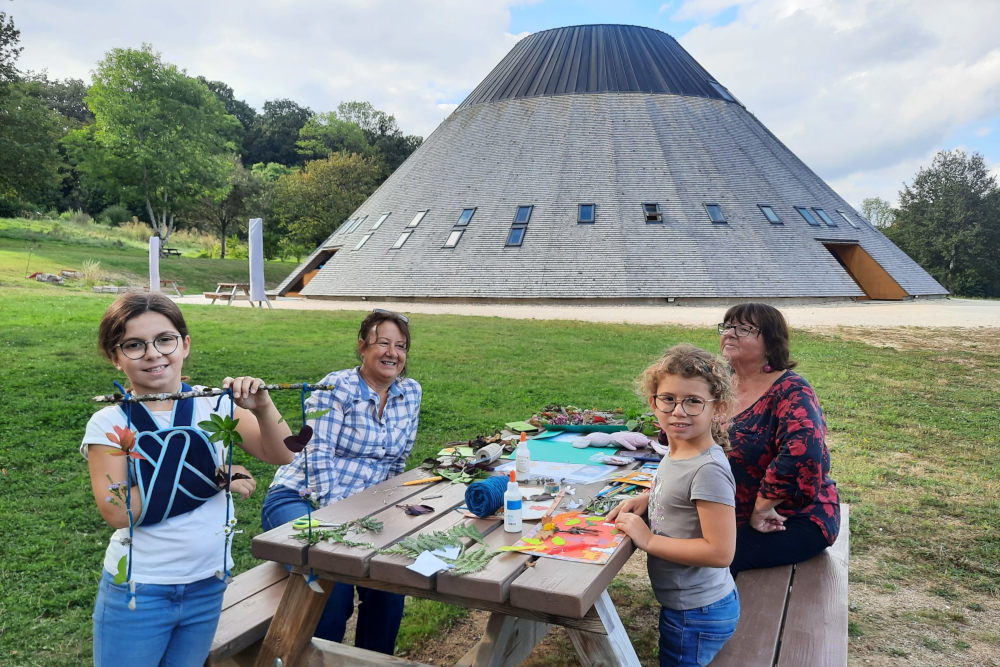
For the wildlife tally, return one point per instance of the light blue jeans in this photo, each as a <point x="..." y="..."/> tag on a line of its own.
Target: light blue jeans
<point x="692" y="637"/>
<point x="171" y="626"/>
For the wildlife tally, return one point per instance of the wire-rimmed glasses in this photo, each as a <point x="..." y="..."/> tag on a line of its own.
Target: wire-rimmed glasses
<point x="742" y="330"/>
<point x="165" y="343"/>
<point x="692" y="405"/>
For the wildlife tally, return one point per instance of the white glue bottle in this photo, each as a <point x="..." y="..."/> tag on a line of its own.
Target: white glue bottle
<point x="522" y="459"/>
<point x="512" y="506"/>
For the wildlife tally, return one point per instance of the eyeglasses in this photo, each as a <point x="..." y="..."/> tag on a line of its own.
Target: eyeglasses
<point x="380" y="311"/>
<point x="742" y="330"/>
<point x="135" y="349"/>
<point x="692" y="406"/>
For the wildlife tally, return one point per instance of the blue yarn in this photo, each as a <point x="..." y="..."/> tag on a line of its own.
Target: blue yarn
<point x="484" y="498"/>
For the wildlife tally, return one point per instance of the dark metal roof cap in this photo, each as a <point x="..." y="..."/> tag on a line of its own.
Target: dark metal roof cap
<point x="596" y="59"/>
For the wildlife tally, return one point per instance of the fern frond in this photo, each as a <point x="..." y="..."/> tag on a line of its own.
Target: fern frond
<point x="466" y="531"/>
<point x="470" y="562"/>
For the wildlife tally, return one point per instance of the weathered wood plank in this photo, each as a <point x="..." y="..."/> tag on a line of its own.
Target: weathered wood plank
<point x="253" y="581"/>
<point x="323" y="653"/>
<point x="397" y="524"/>
<point x="276" y="545"/>
<point x="815" y="631"/>
<point x="762" y="605"/>
<point x="613" y="649"/>
<point x="506" y="643"/>
<point x="493" y="583"/>
<point x="590" y="622"/>
<point x="393" y="568"/>
<point x="246" y="622"/>
<point x="294" y="622"/>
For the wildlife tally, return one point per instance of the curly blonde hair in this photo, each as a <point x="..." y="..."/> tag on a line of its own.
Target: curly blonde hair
<point x="688" y="361"/>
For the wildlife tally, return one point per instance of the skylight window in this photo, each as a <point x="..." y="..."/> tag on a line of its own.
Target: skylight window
<point x="516" y="235"/>
<point x="523" y="215"/>
<point x="401" y="240"/>
<point x="652" y="212"/>
<point x="465" y="217"/>
<point x="849" y="220"/>
<point x="378" y="223"/>
<point x="715" y="212"/>
<point x="769" y="213"/>
<point x="416" y="219"/>
<point x="807" y="216"/>
<point x="363" y="240"/>
<point x="586" y="213"/>
<point x="357" y="223"/>
<point x="519" y="226"/>
<point x="827" y="219"/>
<point x="345" y="225"/>
<point x="453" y="238"/>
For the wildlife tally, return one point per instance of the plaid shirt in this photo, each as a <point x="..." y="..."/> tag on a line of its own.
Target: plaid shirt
<point x="351" y="448"/>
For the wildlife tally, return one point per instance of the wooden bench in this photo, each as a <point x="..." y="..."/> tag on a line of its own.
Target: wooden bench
<point x="247" y="609"/>
<point x="171" y="252"/>
<point x="796" y="615"/>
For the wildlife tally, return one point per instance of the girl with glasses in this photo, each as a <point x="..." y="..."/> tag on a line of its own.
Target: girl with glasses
<point x="692" y="524"/>
<point x="167" y="614"/>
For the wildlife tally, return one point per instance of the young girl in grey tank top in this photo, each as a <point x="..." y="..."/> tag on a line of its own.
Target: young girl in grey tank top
<point x="691" y="538"/>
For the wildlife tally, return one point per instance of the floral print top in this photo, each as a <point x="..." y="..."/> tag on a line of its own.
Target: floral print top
<point x="779" y="451"/>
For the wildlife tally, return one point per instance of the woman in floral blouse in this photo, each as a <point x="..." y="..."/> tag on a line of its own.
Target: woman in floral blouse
<point x="787" y="507"/>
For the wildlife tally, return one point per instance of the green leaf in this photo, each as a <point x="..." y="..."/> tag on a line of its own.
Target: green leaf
<point x="209" y="426"/>
<point x="316" y="414"/>
<point x="572" y="522"/>
<point x="122" y="575"/>
<point x="558" y="541"/>
<point x="532" y="540"/>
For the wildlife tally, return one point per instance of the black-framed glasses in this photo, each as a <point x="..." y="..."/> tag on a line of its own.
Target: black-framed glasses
<point x="135" y="349"/>
<point x="382" y="311"/>
<point x="742" y="330"/>
<point x="692" y="405"/>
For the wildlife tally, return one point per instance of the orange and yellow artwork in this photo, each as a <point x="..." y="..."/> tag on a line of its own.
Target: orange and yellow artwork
<point x="572" y="536"/>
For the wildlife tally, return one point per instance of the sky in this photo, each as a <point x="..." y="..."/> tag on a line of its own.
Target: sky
<point x="863" y="91"/>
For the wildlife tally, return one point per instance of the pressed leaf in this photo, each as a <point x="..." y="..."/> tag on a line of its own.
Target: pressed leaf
<point x="122" y="575"/>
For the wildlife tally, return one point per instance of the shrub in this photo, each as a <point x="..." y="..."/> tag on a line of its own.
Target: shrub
<point x="91" y="272"/>
<point x="236" y="249"/>
<point x="78" y="217"/>
<point x="114" y="215"/>
<point x="137" y="231"/>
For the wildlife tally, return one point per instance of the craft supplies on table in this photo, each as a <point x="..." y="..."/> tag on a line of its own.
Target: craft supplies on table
<point x="485" y="497"/>
<point x="466" y="452"/>
<point x="512" y="506"/>
<point x="489" y="453"/>
<point x="425" y="480"/>
<point x="518" y="427"/>
<point x="559" y="449"/>
<point x="572" y="536"/>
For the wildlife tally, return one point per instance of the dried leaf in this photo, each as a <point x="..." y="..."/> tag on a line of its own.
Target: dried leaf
<point x="416" y="510"/>
<point x="297" y="441"/>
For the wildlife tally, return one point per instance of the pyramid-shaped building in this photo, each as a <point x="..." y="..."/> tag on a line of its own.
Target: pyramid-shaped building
<point x="603" y="164"/>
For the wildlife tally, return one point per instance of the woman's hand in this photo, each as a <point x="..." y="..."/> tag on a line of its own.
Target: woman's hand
<point x="635" y="505"/>
<point x="766" y="520"/>
<point x="633" y="526"/>
<point x="244" y="488"/>
<point x="246" y="394"/>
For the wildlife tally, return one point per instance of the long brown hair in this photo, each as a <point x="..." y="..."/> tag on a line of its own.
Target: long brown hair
<point x="688" y="361"/>
<point x="131" y="305"/>
<point x="772" y="326"/>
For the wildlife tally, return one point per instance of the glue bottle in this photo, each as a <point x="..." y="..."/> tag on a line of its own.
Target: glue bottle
<point x="522" y="459"/>
<point x="512" y="506"/>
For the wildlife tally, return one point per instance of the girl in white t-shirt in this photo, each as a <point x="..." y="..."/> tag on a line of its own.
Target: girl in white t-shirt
<point x="168" y="612"/>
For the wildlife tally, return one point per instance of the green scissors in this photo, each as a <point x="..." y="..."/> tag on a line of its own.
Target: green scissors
<point x="303" y="523"/>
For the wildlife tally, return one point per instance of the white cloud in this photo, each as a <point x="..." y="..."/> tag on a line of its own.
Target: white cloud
<point x="984" y="131"/>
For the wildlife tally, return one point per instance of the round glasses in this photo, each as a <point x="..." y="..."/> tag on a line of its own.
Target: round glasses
<point x="692" y="406"/>
<point x="135" y="349"/>
<point x="742" y="330"/>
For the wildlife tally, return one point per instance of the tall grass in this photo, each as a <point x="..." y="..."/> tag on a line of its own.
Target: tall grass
<point x="91" y="272"/>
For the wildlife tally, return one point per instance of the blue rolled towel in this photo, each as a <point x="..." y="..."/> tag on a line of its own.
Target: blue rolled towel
<point x="485" y="497"/>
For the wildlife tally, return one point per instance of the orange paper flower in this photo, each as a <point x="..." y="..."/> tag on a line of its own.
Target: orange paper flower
<point x="126" y="439"/>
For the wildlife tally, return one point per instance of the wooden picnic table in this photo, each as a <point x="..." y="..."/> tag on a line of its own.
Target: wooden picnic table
<point x="219" y="293"/>
<point x="525" y="594"/>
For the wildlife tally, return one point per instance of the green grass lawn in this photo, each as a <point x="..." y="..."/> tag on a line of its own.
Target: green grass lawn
<point x="913" y="434"/>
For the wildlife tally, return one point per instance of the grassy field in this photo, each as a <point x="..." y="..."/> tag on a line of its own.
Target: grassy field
<point x="913" y="432"/>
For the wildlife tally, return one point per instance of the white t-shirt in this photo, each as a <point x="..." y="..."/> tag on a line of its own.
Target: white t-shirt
<point x="179" y="550"/>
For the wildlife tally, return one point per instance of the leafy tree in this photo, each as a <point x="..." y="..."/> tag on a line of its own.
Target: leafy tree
<point x="381" y="131"/>
<point x="238" y="109"/>
<point x="226" y="211"/>
<point x="325" y="134"/>
<point x="313" y="202"/>
<point x="29" y="149"/>
<point x="949" y="222"/>
<point x="65" y="97"/>
<point x="9" y="51"/>
<point x="164" y="135"/>
<point x="275" y="133"/>
<point x="878" y="211"/>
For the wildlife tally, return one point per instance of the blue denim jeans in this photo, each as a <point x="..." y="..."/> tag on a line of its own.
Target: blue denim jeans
<point x="171" y="626"/>
<point x="692" y="637"/>
<point x="379" y="613"/>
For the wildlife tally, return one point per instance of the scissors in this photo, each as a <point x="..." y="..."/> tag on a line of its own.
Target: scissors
<point x="304" y="523"/>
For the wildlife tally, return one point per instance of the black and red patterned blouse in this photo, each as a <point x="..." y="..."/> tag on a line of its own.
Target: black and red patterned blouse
<point x="779" y="451"/>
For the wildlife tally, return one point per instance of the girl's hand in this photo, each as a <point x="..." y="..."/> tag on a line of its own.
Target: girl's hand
<point x="244" y="488"/>
<point x="245" y="394"/>
<point x="637" y="505"/>
<point x="766" y="520"/>
<point x="633" y="526"/>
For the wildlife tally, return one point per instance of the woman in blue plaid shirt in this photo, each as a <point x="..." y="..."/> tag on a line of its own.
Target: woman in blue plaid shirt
<point x="363" y="440"/>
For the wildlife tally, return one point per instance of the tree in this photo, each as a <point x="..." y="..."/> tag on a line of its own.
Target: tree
<point x="275" y="133"/>
<point x="29" y="149"/>
<point x="313" y="202"/>
<point x="164" y="135"/>
<point x="381" y="131"/>
<point x="227" y="210"/>
<point x="325" y="134"/>
<point x="949" y="222"/>
<point x="9" y="51"/>
<point x="238" y="109"/>
<point x="66" y="97"/>
<point x="878" y="211"/>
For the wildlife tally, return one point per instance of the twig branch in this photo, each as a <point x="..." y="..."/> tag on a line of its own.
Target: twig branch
<point x="178" y="395"/>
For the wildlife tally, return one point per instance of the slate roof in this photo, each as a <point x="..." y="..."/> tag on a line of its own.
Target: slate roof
<point x="616" y="150"/>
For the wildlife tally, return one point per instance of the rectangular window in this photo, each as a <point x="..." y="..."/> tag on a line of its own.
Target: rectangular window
<point x="769" y="213"/>
<point x="516" y="235"/>
<point x="715" y="212"/>
<point x="652" y="212"/>
<point x="416" y="219"/>
<point x="378" y="223"/>
<point x="345" y="225"/>
<point x="453" y="238"/>
<point x="806" y="215"/>
<point x="401" y="240"/>
<point x="586" y="213"/>
<point x="827" y="219"/>
<point x="357" y="223"/>
<point x="465" y="217"/>
<point x="523" y="215"/>
<point x="362" y="241"/>
<point x="849" y="220"/>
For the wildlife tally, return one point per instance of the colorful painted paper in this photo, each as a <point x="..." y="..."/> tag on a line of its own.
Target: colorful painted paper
<point x="572" y="536"/>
